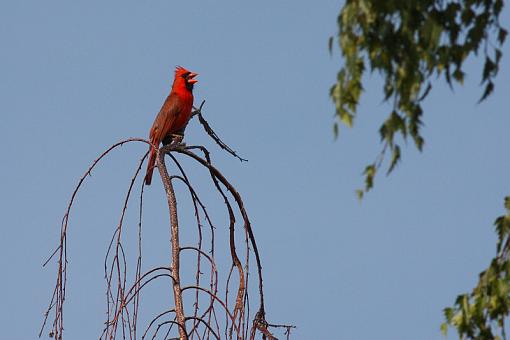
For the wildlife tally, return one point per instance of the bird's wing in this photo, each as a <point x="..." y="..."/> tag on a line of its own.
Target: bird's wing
<point x="166" y="117"/>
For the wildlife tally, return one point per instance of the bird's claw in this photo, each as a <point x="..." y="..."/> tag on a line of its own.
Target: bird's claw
<point x="177" y="141"/>
<point x="179" y="145"/>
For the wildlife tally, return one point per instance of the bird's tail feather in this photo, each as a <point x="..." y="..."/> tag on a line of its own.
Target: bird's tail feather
<point x="150" y="167"/>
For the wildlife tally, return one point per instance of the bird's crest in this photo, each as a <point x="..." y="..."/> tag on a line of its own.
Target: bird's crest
<point x="180" y="70"/>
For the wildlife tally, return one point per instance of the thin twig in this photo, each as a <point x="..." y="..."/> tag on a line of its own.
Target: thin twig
<point x="212" y="134"/>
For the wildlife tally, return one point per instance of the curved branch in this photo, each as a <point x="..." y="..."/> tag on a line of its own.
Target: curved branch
<point x="239" y="202"/>
<point x="232" y="319"/>
<point x="242" y="285"/>
<point x="181" y="329"/>
<point x="155" y="319"/>
<point x="205" y="323"/>
<point x="58" y="298"/>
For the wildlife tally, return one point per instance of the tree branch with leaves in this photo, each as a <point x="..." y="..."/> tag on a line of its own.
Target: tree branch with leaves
<point x="409" y="43"/>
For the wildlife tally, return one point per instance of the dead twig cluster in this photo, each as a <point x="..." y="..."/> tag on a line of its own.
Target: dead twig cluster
<point x="214" y="313"/>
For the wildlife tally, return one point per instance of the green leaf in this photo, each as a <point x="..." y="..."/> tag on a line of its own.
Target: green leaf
<point x="467" y="15"/>
<point x="347" y="119"/>
<point x="388" y="91"/>
<point x="499" y="54"/>
<point x="502" y="33"/>
<point x="458" y="75"/>
<point x="419" y="141"/>
<point x="488" y="90"/>
<point x="444" y="328"/>
<point x="359" y="194"/>
<point x="369" y="173"/>
<point x="488" y="69"/>
<point x="395" y="157"/>
<point x="498" y="5"/>
<point x="407" y="43"/>
<point x="426" y="92"/>
<point x="480" y="314"/>
<point x="448" y="313"/>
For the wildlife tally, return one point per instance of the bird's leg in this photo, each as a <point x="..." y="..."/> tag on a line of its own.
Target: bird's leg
<point x="177" y="140"/>
<point x="174" y="139"/>
<point x="178" y="137"/>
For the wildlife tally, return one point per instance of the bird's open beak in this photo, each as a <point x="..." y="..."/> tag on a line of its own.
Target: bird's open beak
<point x="191" y="76"/>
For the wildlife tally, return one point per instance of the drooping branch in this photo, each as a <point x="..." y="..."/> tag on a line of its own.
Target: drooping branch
<point x="123" y="295"/>
<point x="259" y="321"/>
<point x="219" y="176"/>
<point x="58" y="297"/>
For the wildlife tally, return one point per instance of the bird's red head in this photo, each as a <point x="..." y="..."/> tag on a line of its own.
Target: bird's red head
<point x="185" y="78"/>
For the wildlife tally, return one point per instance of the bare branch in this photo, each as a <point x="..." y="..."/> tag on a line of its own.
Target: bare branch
<point x="123" y="299"/>
<point x="213" y="135"/>
<point x="174" y="225"/>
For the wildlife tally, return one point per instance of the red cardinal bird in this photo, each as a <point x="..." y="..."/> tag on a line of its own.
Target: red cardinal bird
<point x="173" y="116"/>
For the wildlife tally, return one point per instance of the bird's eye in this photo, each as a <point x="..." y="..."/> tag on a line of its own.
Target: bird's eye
<point x="185" y="75"/>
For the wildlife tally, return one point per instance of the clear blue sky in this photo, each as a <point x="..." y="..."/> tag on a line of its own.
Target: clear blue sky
<point x="78" y="76"/>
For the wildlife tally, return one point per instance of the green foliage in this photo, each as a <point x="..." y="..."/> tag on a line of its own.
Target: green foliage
<point x="408" y="42"/>
<point x="481" y="314"/>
